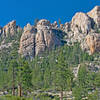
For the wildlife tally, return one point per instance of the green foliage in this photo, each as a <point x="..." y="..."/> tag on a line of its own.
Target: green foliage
<point x="63" y="74"/>
<point x="26" y="76"/>
<point x="80" y="89"/>
<point x="86" y="84"/>
<point x="77" y="92"/>
<point x="94" y="96"/>
<point x="52" y="71"/>
<point x="14" y="98"/>
<point x="97" y="80"/>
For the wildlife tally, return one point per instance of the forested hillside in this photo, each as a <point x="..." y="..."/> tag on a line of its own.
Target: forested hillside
<point x="51" y="61"/>
<point x="53" y="71"/>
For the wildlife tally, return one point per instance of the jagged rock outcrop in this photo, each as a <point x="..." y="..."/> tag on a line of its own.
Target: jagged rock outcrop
<point x="35" y="41"/>
<point x="10" y="28"/>
<point x="78" y="28"/>
<point x="95" y="14"/>
<point x="44" y="35"/>
<point x="27" y="41"/>
<point x="93" y="42"/>
<point x="82" y="29"/>
<point x="81" y="23"/>
<point x="55" y="25"/>
<point x="66" y="27"/>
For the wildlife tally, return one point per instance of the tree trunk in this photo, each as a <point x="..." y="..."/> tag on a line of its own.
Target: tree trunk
<point x="19" y="90"/>
<point x="13" y="90"/>
<point x="13" y="83"/>
<point x="61" y="96"/>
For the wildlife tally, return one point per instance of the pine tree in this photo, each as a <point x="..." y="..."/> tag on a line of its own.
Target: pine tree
<point x="62" y="74"/>
<point x="13" y="65"/>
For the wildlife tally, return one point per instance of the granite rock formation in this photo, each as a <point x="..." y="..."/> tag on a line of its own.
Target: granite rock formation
<point x="81" y="23"/>
<point x="36" y="40"/>
<point x="95" y="14"/>
<point x="82" y="29"/>
<point x="93" y="41"/>
<point x="10" y="28"/>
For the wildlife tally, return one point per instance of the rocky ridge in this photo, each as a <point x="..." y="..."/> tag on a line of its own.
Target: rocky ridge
<point x="83" y="28"/>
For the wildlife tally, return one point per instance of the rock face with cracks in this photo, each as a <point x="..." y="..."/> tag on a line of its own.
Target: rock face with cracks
<point x="35" y="40"/>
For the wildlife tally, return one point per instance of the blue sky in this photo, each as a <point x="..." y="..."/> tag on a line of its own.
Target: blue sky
<point x="24" y="11"/>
